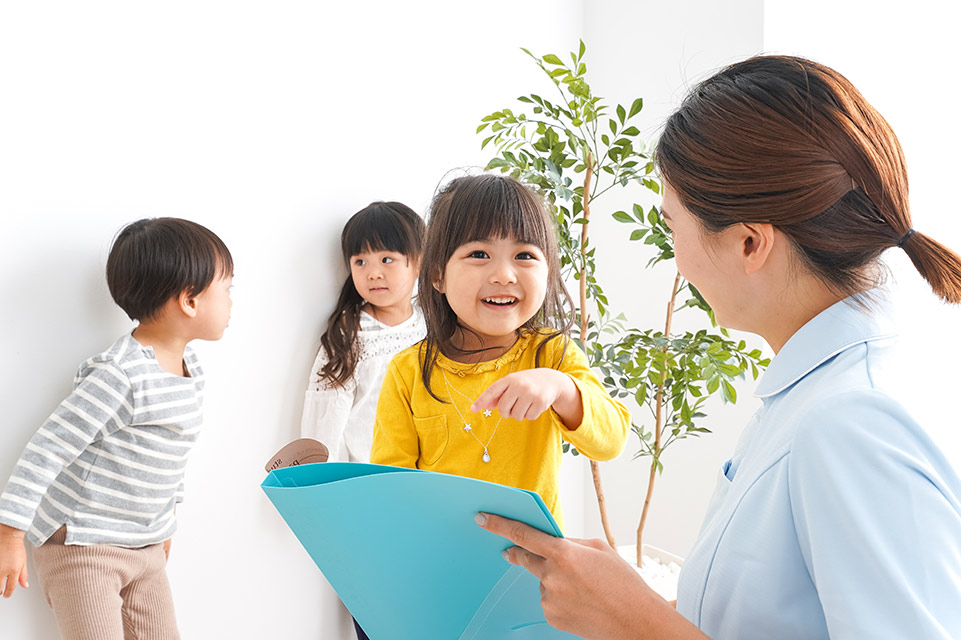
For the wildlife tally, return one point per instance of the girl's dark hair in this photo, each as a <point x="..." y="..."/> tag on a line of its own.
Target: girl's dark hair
<point x="486" y="207"/>
<point x="792" y="143"/>
<point x="380" y="226"/>
<point x="155" y="259"/>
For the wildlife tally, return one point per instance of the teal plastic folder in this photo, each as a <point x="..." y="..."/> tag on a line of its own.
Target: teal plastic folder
<point x="401" y="549"/>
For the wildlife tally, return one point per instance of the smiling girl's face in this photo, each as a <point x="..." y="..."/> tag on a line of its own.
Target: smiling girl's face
<point x="494" y="286"/>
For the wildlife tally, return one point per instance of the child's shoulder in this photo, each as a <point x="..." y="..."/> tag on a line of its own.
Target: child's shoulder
<point x="554" y="350"/>
<point x="408" y="358"/>
<point x="552" y="342"/>
<point x="116" y="360"/>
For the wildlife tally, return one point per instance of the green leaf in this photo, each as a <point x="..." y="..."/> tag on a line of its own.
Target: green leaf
<point x="581" y="50"/>
<point x="621" y="113"/>
<point x="620" y="216"/>
<point x="728" y="392"/>
<point x="636" y="107"/>
<point x="730" y="369"/>
<point x="713" y="384"/>
<point x="550" y="58"/>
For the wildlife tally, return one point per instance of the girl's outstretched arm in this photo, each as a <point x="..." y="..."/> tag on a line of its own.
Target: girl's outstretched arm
<point x="587" y="589"/>
<point x="525" y="395"/>
<point x="593" y="422"/>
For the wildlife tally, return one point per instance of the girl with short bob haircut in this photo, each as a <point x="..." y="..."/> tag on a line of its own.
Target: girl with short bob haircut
<point x="837" y="516"/>
<point x="496" y="384"/>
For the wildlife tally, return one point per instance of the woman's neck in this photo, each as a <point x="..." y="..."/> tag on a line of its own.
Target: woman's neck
<point x="793" y="308"/>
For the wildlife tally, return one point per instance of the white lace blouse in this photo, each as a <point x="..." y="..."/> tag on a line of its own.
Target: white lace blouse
<point x="343" y="417"/>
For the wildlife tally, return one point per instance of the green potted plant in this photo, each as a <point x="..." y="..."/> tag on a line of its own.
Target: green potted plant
<point x="574" y="148"/>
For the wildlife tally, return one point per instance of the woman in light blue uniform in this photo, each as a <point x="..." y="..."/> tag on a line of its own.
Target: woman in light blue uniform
<point x="837" y="516"/>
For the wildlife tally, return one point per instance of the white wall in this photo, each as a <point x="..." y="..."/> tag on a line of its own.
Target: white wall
<point x="271" y="123"/>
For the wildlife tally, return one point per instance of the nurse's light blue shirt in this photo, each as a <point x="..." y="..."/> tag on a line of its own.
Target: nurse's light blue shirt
<point x="837" y="517"/>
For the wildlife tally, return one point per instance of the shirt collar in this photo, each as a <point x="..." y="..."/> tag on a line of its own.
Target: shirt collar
<point x="837" y="328"/>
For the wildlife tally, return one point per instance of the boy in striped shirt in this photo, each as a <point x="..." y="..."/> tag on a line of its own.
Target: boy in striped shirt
<point x="96" y="487"/>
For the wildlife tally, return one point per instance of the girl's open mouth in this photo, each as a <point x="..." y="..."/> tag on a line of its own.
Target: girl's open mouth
<point x="501" y="301"/>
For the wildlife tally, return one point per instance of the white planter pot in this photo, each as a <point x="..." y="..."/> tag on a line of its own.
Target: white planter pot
<point x="660" y="571"/>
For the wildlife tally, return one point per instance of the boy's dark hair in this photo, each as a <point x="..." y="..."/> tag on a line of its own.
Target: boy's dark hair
<point x="380" y="226"/>
<point x="155" y="259"/>
<point x="482" y="207"/>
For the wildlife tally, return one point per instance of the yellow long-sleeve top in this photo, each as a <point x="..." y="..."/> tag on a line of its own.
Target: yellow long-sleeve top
<point x="414" y="430"/>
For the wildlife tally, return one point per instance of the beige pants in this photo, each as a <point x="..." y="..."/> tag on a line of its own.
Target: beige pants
<point x="102" y="592"/>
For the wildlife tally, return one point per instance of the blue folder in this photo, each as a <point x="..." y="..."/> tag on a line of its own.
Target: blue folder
<point x="402" y="550"/>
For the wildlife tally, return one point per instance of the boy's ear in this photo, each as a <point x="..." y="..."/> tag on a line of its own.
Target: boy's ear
<point x="187" y="303"/>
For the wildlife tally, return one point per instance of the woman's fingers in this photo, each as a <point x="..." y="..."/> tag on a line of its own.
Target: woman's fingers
<point x="524" y="558"/>
<point x="528" y="538"/>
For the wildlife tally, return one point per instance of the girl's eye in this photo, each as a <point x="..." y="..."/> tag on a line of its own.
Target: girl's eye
<point x="387" y="260"/>
<point x="477" y="254"/>
<point x="359" y="262"/>
<point x="525" y="255"/>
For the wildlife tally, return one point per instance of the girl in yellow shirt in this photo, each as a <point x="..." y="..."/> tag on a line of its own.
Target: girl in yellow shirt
<point x="497" y="382"/>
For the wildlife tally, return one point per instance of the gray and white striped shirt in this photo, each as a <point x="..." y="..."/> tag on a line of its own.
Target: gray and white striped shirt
<point x="109" y="462"/>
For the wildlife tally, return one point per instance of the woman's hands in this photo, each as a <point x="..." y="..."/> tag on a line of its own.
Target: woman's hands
<point x="587" y="589"/>
<point x="13" y="560"/>
<point x="525" y="395"/>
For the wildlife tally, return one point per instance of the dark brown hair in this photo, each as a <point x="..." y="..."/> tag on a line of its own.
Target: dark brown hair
<point x="380" y="226"/>
<point x="486" y="207"/>
<point x="792" y="143"/>
<point x="154" y="259"/>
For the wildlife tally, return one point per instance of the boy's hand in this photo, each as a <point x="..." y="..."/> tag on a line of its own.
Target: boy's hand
<point x="525" y="395"/>
<point x="13" y="560"/>
<point x="167" y="548"/>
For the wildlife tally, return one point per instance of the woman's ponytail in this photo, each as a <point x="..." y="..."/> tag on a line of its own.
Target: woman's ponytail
<point x="937" y="264"/>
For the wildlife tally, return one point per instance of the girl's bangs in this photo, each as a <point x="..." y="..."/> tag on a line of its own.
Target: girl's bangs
<point x="378" y="231"/>
<point x="493" y="214"/>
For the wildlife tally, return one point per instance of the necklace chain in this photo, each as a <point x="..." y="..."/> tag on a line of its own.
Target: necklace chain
<point x="467" y="426"/>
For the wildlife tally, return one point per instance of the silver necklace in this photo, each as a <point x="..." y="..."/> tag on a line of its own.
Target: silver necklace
<point x="467" y="426"/>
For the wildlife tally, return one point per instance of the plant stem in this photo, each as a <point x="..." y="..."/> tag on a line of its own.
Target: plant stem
<point x="658" y="427"/>
<point x="585" y="321"/>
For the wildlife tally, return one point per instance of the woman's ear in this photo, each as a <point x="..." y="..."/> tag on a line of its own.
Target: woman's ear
<point x="756" y="242"/>
<point x="439" y="286"/>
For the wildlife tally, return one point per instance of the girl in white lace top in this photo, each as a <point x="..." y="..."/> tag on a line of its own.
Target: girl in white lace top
<point x="374" y="318"/>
